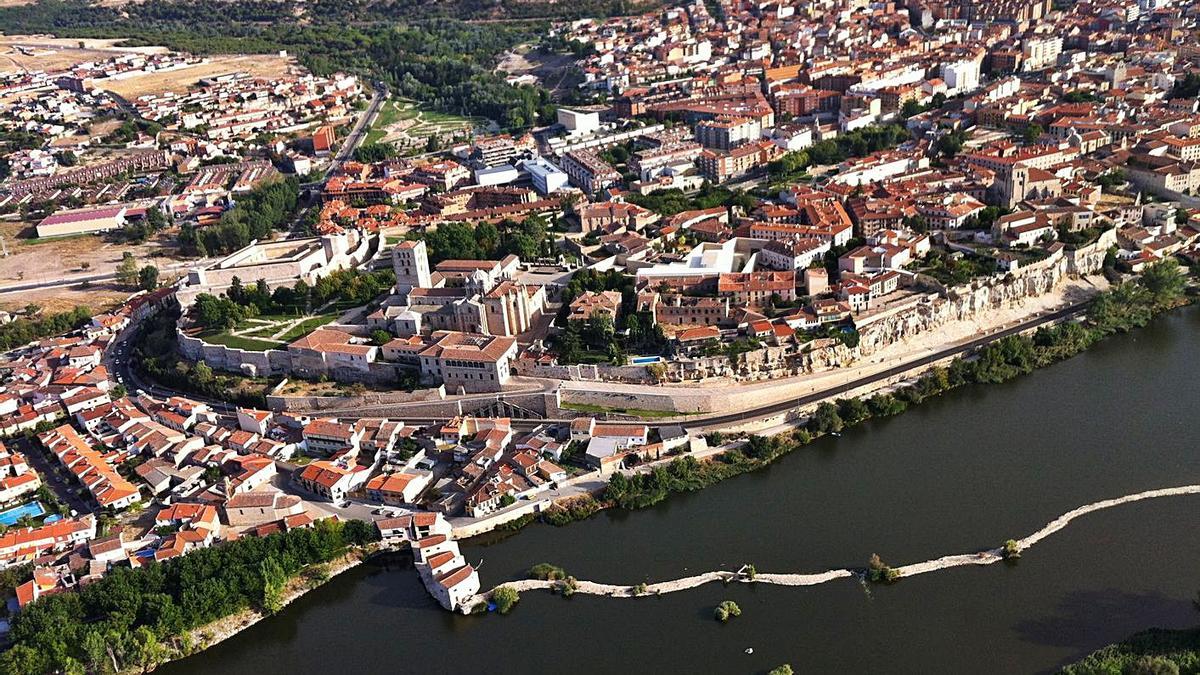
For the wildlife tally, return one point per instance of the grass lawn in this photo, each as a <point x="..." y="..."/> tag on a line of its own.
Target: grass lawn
<point x="58" y="239"/>
<point x="239" y="342"/>
<point x="307" y="326"/>
<point x="636" y="412"/>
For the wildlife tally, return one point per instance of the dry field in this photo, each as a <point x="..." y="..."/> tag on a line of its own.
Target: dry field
<point x="32" y="260"/>
<point x="259" y="65"/>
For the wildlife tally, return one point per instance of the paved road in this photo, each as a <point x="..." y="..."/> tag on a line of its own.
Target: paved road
<point x="357" y="135"/>
<point x="53" y="475"/>
<point x="117" y="359"/>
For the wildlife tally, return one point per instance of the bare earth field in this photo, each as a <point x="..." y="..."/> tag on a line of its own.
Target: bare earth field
<point x="258" y="65"/>
<point x="33" y="260"/>
<point x="45" y="52"/>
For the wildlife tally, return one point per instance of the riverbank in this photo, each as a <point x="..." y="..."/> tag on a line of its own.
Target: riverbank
<point x="1156" y="650"/>
<point x="222" y="629"/>
<point x="745" y="575"/>
<point x="977" y="467"/>
<point x="1126" y="307"/>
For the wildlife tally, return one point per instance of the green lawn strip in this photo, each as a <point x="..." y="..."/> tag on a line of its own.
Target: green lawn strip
<point x="307" y="326"/>
<point x="239" y="342"/>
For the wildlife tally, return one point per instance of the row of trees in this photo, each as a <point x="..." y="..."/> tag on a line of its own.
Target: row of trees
<point x="349" y="286"/>
<point x="461" y="241"/>
<point x="24" y="330"/>
<point x="673" y="201"/>
<point x="858" y="143"/>
<point x="138" y="618"/>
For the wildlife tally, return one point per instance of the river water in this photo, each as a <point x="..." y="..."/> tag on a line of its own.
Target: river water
<point x="956" y="474"/>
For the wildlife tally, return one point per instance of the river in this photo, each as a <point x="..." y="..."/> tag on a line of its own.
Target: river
<point x="956" y="474"/>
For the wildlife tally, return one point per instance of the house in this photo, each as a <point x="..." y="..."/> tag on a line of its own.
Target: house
<point x="327" y="436"/>
<point x="591" y="303"/>
<point x="187" y="515"/>
<point x="398" y="488"/>
<point x="394" y="530"/>
<point x="261" y="506"/>
<point x="333" y="479"/>
<point x="452" y="589"/>
<point x="20" y="545"/>
<point x="254" y="421"/>
<point x="17" y="479"/>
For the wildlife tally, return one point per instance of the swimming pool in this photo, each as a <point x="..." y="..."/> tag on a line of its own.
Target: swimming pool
<point x="643" y="360"/>
<point x="11" y="516"/>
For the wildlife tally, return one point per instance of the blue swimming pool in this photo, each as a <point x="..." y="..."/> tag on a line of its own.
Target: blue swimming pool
<point x="11" y="516"/>
<point x="643" y="360"/>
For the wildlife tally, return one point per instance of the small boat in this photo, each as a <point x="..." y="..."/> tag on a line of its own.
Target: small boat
<point x="749" y="650"/>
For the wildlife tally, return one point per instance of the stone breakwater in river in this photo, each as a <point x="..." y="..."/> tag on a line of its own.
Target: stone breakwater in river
<point x="987" y="557"/>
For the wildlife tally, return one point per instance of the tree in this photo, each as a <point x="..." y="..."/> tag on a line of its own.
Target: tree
<point x="380" y="337"/>
<point x="505" y="598"/>
<point x="852" y="410"/>
<point x="878" y="571"/>
<point x="148" y="652"/>
<point x="826" y="419"/>
<point x="202" y="372"/>
<point x="148" y="278"/>
<point x="785" y="669"/>
<point x="1011" y="549"/>
<point x="32" y="309"/>
<point x="1152" y="665"/>
<point x="274" y="581"/>
<point x="1165" y="281"/>
<point x="127" y="270"/>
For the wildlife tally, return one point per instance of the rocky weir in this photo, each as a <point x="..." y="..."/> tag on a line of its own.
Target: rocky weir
<point x="985" y="557"/>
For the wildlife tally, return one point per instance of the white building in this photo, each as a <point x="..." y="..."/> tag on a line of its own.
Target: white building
<point x="579" y="122"/>
<point x="961" y="76"/>
<point x="546" y="177"/>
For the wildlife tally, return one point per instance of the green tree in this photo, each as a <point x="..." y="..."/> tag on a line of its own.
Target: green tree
<point x="1152" y="665"/>
<point x="380" y="337"/>
<point x="826" y="420"/>
<point x="505" y="598"/>
<point x="127" y="270"/>
<point x="274" y="581"/>
<point x="148" y="652"/>
<point x="785" y="669"/>
<point x="1165" y="281"/>
<point x="148" y="278"/>
<point x="202" y="372"/>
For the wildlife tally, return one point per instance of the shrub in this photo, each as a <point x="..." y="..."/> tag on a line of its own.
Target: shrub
<point x="1011" y="549"/>
<point x="547" y="572"/>
<point x="505" y="598"/>
<point x="726" y="610"/>
<point x="879" y="572"/>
